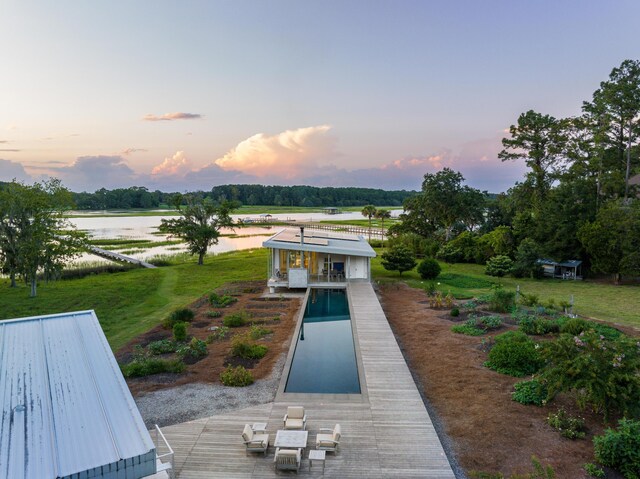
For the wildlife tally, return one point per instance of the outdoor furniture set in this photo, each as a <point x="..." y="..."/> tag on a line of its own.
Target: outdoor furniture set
<point x="291" y="441"/>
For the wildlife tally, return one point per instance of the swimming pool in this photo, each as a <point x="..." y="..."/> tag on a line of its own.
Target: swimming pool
<point x="324" y="360"/>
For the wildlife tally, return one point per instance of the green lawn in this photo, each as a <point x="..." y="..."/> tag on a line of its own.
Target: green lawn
<point x="132" y="302"/>
<point x="601" y="301"/>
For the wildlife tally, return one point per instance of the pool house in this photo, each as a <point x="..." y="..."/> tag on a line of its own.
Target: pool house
<point x="301" y="259"/>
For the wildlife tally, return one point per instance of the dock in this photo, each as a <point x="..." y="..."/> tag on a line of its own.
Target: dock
<point x="113" y="256"/>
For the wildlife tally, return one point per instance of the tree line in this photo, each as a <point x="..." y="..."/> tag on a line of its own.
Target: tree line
<point x="311" y="196"/>
<point x="577" y="200"/>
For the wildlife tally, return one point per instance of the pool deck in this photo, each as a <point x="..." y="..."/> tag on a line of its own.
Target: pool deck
<point x="386" y="434"/>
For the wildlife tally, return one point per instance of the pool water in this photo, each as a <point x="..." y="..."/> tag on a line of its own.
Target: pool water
<point x="324" y="360"/>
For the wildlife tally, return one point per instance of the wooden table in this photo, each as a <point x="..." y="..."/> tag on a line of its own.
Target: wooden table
<point x="291" y="439"/>
<point x="259" y="426"/>
<point x="317" y="455"/>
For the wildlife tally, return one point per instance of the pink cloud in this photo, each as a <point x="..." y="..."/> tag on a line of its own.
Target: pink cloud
<point x="172" y="116"/>
<point x="177" y="165"/>
<point x="129" y="151"/>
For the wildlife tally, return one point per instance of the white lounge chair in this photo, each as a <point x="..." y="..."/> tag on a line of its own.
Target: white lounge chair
<point x="288" y="459"/>
<point x="331" y="441"/>
<point x="255" y="442"/>
<point x="295" y="418"/>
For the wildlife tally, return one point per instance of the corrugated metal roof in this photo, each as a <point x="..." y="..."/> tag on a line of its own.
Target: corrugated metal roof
<point x="336" y="243"/>
<point x="78" y="414"/>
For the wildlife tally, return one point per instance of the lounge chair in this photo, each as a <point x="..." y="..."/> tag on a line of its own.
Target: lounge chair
<point x="329" y="442"/>
<point x="295" y="418"/>
<point x="255" y="442"/>
<point x="288" y="459"/>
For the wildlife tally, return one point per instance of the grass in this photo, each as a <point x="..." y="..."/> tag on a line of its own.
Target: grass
<point x="592" y="299"/>
<point x="130" y="303"/>
<point x="364" y="223"/>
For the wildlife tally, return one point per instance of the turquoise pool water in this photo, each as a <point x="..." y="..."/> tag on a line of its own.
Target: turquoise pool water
<point x="324" y="360"/>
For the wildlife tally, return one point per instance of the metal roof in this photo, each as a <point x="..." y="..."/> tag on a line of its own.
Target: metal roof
<point x="572" y="263"/>
<point x="322" y="242"/>
<point x="66" y="408"/>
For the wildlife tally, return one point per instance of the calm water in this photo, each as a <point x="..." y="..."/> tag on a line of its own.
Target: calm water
<point x="324" y="360"/>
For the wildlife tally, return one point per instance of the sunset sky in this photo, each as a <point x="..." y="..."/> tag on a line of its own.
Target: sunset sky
<point x="186" y="95"/>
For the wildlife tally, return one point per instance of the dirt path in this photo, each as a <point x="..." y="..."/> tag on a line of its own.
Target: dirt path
<point x="489" y="431"/>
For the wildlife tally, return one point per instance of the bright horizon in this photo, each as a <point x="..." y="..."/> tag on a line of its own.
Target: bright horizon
<point x="189" y="95"/>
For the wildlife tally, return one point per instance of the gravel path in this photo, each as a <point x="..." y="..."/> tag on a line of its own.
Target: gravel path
<point x="198" y="400"/>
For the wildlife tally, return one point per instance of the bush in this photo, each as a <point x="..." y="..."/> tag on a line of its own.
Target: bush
<point x="243" y="347"/>
<point x="162" y="347"/>
<point x="257" y="332"/>
<point x="398" y="258"/>
<point x="468" y="329"/>
<point x="183" y="314"/>
<point x="455" y="312"/>
<point x="594" y="471"/>
<point x="219" y="333"/>
<point x="530" y="300"/>
<point x="514" y="354"/>
<point x="489" y="322"/>
<point x="218" y="301"/>
<point x="530" y="392"/>
<point x="569" y="427"/>
<point x="502" y="301"/>
<point x="429" y="268"/>
<point x="236" y="320"/>
<point x="195" y="350"/>
<point x="530" y="324"/>
<point x="140" y="367"/>
<point x="620" y="449"/>
<point x="499" y="266"/>
<point x="180" y="331"/>
<point x="214" y="314"/>
<point x="449" y="253"/>
<point x="603" y="374"/>
<point x="574" y="326"/>
<point x="236" y="377"/>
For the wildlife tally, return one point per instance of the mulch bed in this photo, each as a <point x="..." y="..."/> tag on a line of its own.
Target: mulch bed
<point x="208" y="369"/>
<point x="490" y="432"/>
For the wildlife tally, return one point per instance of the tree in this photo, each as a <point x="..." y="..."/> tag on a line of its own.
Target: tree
<point x="34" y="235"/>
<point x="200" y="224"/>
<point x="526" y="263"/>
<point x="398" y="258"/>
<point x="382" y="215"/>
<point x="369" y="211"/>
<point x="443" y="202"/>
<point x="539" y="140"/>
<point x="613" y="240"/>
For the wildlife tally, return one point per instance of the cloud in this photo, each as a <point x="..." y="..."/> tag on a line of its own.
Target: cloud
<point x="10" y="170"/>
<point x="286" y="155"/>
<point x="89" y="173"/>
<point x="4" y="141"/>
<point x="129" y="151"/>
<point x="172" y="116"/>
<point x="177" y="165"/>
<point x="12" y="150"/>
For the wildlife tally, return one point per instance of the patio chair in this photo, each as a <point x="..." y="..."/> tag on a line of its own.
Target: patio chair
<point x="255" y="442"/>
<point x="329" y="442"/>
<point x="295" y="418"/>
<point x="288" y="459"/>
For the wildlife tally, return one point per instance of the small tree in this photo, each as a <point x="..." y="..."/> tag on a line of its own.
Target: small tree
<point x="527" y="256"/>
<point x="499" y="266"/>
<point x="429" y="268"/>
<point x="200" y="224"/>
<point x="369" y="211"/>
<point x="398" y="258"/>
<point x="383" y="215"/>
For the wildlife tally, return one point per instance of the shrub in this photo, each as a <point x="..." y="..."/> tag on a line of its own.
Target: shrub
<point x="450" y="253"/>
<point x="603" y="373"/>
<point x="448" y="300"/>
<point x="620" y="449"/>
<point x="530" y="324"/>
<point x="180" y="331"/>
<point x="236" y="377"/>
<point x="162" y="347"/>
<point x="514" y="354"/>
<point x="429" y="268"/>
<point x="499" y="266"/>
<point x="489" y="322"/>
<point x="214" y="314"/>
<point x="502" y="301"/>
<point x="195" y="350"/>
<point x="236" y="320"/>
<point x="183" y="314"/>
<point x="569" y="427"/>
<point x="455" y="312"/>
<point x="594" y="471"/>
<point x="218" y="301"/>
<point x="530" y="392"/>
<point x="468" y="329"/>
<point x="219" y="333"/>
<point x="398" y="258"/>
<point x="140" y="367"/>
<point x="530" y="300"/>
<point x="574" y="326"/>
<point x="243" y="347"/>
<point x="257" y="332"/>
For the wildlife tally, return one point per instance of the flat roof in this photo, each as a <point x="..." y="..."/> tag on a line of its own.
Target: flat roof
<point x="66" y="408"/>
<point x="321" y="242"/>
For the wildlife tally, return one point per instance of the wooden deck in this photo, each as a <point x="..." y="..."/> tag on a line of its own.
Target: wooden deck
<point x="387" y="435"/>
<point x="113" y="256"/>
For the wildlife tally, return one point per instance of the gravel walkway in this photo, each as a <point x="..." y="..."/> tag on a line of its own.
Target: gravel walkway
<point x="198" y="400"/>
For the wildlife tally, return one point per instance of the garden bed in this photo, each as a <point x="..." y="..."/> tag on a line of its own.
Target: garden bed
<point x="489" y="431"/>
<point x="207" y="370"/>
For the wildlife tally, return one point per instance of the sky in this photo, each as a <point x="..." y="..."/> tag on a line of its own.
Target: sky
<point x="186" y="95"/>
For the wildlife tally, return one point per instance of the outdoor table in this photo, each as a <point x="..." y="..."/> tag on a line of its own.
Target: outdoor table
<point x="259" y="426"/>
<point x="317" y="455"/>
<point x="291" y="439"/>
